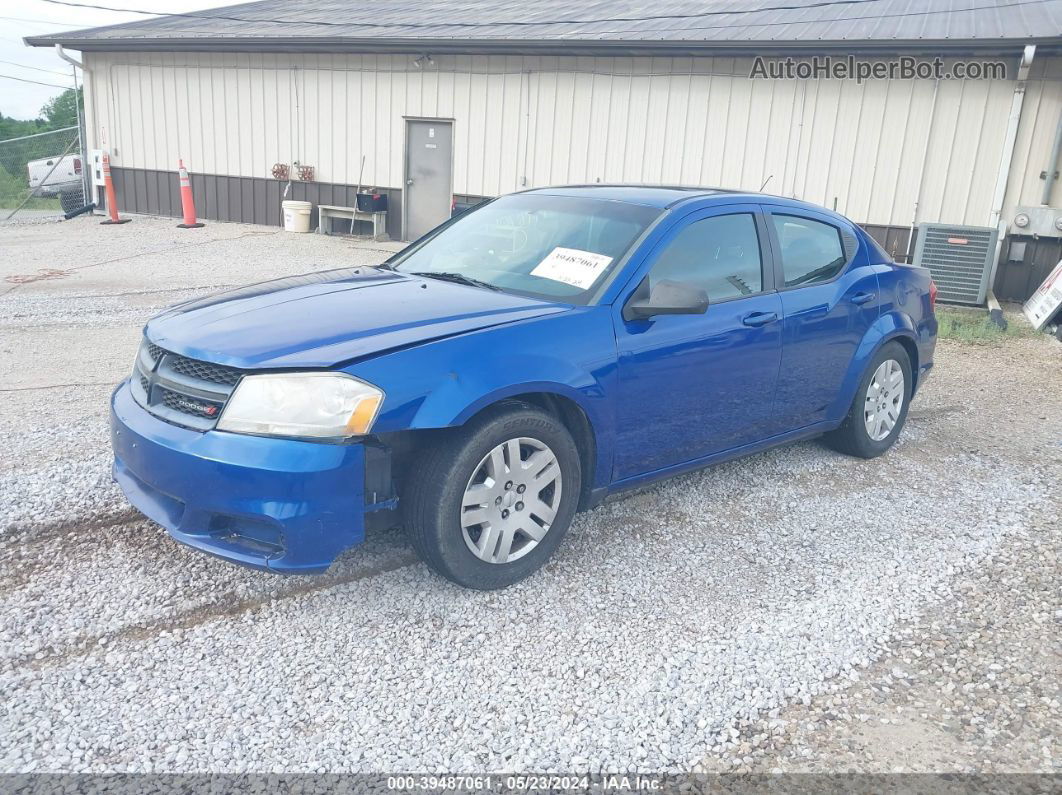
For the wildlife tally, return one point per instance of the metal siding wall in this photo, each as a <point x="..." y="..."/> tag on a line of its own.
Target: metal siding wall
<point x="1040" y="117"/>
<point x="533" y="121"/>
<point x="894" y="239"/>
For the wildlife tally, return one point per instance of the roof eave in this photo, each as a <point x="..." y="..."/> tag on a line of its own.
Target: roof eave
<point x="539" y="47"/>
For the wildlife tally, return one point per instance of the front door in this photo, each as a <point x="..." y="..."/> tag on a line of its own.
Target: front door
<point x="429" y="182"/>
<point x="694" y="385"/>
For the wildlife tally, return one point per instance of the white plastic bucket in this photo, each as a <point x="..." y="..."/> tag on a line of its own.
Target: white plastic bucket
<point x="296" y="216"/>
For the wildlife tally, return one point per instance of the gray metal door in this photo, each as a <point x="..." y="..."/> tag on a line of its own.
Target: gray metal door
<point x="429" y="175"/>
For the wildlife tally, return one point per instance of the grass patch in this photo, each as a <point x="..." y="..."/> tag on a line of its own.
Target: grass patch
<point x="974" y="327"/>
<point x="13" y="191"/>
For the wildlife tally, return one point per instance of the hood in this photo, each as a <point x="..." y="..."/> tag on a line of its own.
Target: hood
<point x="322" y="319"/>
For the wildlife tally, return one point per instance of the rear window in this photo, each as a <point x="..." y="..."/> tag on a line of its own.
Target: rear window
<point x="812" y="251"/>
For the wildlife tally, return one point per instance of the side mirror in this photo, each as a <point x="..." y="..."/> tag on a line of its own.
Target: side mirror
<point x="665" y="298"/>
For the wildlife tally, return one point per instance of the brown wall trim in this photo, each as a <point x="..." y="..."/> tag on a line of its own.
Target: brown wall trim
<point x="894" y="239"/>
<point x="247" y="200"/>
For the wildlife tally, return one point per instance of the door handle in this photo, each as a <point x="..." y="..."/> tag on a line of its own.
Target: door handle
<point x="862" y="298"/>
<point x="409" y="182"/>
<point x="759" y="318"/>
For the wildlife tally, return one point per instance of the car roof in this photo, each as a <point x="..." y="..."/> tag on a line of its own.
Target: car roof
<point x="661" y="196"/>
<point x="667" y="196"/>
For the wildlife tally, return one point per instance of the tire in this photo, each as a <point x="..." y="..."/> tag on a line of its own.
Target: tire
<point x="70" y="202"/>
<point x="854" y="437"/>
<point x="446" y="485"/>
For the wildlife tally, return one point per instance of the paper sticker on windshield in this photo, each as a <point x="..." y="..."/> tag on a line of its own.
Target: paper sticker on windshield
<point x="572" y="266"/>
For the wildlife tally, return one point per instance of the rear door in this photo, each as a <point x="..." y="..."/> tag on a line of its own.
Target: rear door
<point x="830" y="298"/>
<point x="693" y="385"/>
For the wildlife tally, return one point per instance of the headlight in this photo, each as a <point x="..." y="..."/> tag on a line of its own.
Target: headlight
<point x="326" y="405"/>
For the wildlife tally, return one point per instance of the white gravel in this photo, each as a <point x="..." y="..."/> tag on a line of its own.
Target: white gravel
<point x="668" y="623"/>
<point x="42" y="311"/>
<point x="52" y="478"/>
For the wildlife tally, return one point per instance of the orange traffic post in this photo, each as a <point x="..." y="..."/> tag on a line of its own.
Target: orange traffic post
<point x="112" y="200"/>
<point x="187" y="205"/>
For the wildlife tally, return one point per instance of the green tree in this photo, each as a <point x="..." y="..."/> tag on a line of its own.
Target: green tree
<point x="15" y="128"/>
<point x="62" y="111"/>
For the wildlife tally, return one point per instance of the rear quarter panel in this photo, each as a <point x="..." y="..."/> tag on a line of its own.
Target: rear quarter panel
<point x="905" y="302"/>
<point x="905" y="315"/>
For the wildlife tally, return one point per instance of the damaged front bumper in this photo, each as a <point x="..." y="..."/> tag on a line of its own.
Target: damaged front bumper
<point x="281" y="505"/>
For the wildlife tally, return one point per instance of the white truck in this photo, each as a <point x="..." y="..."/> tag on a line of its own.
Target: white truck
<point x="64" y="181"/>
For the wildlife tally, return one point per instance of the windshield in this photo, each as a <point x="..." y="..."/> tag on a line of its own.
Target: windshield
<point x="553" y="247"/>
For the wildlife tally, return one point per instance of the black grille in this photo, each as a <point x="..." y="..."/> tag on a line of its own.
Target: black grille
<point x="186" y="404"/>
<point x="180" y="390"/>
<point x="205" y="371"/>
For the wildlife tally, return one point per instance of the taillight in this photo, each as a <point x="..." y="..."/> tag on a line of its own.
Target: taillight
<point x="77" y="165"/>
<point x="932" y="295"/>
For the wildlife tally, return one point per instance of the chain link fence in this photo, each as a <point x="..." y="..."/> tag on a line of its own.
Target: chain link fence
<point x="43" y="174"/>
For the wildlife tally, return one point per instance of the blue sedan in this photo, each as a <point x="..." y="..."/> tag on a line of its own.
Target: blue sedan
<point x="521" y="362"/>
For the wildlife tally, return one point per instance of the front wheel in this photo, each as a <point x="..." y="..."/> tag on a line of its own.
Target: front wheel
<point x="488" y="505"/>
<point x="879" y="410"/>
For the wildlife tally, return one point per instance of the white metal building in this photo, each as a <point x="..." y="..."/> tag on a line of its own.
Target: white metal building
<point x="452" y="103"/>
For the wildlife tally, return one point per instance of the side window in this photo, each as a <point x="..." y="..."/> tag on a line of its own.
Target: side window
<point x="811" y="250"/>
<point x="719" y="254"/>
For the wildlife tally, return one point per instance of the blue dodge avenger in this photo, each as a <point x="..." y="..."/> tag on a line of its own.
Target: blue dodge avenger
<point x="521" y="362"/>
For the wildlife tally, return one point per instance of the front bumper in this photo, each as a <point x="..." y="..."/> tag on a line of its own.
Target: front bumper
<point x="276" y="504"/>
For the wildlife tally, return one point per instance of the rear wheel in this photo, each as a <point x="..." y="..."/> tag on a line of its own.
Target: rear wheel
<point x="489" y="504"/>
<point x="879" y="409"/>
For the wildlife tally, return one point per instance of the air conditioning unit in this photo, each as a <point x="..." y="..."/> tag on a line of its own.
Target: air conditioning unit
<point x="959" y="258"/>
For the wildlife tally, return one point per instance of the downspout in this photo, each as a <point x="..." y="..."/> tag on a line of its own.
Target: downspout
<point x="1016" y="103"/>
<point x="68" y="58"/>
<point x="1003" y="177"/>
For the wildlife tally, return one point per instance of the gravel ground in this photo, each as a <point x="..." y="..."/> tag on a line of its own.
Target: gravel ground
<point x="796" y="610"/>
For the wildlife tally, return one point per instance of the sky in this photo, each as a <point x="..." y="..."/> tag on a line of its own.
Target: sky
<point x="20" y="18"/>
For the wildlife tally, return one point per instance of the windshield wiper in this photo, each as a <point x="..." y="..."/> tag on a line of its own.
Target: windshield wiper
<point x="457" y="278"/>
